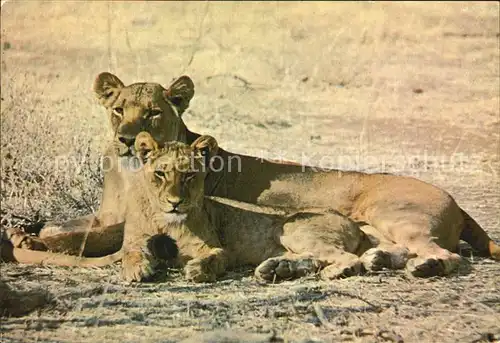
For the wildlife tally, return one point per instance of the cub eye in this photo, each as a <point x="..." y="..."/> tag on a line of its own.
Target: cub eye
<point x="153" y="113"/>
<point x="118" y="111"/>
<point x="159" y="174"/>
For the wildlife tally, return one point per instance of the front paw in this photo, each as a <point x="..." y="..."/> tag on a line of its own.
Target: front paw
<point x="197" y="270"/>
<point x="343" y="270"/>
<point x="137" y="266"/>
<point x="21" y="239"/>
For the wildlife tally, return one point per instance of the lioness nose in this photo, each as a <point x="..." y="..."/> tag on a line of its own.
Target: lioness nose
<point x="175" y="202"/>
<point x="128" y="141"/>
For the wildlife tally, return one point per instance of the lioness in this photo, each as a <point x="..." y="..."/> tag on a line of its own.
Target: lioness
<point x="406" y="211"/>
<point x="140" y="106"/>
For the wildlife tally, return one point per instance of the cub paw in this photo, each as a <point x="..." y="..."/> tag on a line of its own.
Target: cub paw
<point x="137" y="266"/>
<point x="197" y="270"/>
<point x="278" y="268"/>
<point x="341" y="271"/>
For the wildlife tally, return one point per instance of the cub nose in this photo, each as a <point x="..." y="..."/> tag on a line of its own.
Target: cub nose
<point x="128" y="141"/>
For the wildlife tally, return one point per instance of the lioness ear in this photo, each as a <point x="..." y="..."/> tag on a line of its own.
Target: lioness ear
<point x="144" y="145"/>
<point x="106" y="88"/>
<point x="206" y="146"/>
<point x="180" y="93"/>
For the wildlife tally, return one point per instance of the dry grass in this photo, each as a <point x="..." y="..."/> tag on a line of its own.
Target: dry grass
<point x="408" y="88"/>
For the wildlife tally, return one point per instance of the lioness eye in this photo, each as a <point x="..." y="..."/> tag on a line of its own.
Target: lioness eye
<point x="118" y="111"/>
<point x="160" y="174"/>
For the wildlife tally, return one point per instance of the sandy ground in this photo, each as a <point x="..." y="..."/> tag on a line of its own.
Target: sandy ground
<point x="407" y="88"/>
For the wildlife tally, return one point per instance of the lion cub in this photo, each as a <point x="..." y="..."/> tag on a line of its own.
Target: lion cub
<point x="166" y="197"/>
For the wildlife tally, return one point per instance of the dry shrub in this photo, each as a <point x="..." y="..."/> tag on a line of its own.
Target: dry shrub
<point x="50" y="167"/>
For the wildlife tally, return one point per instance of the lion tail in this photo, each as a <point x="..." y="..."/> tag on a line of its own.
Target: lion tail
<point x="474" y="234"/>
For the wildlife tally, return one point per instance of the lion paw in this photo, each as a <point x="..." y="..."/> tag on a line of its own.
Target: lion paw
<point x="197" y="270"/>
<point x="21" y="239"/>
<point x="136" y="266"/>
<point x="278" y="268"/>
<point x="351" y="268"/>
<point x="377" y="259"/>
<point x="433" y="266"/>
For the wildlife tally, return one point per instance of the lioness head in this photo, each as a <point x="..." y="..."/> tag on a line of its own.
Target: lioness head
<point x="144" y="107"/>
<point x="174" y="175"/>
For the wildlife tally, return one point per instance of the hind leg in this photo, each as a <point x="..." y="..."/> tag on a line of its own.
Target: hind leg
<point x="429" y="257"/>
<point x="319" y="240"/>
<point x="428" y="254"/>
<point x="91" y="243"/>
<point x="83" y="223"/>
<point x="99" y="241"/>
<point x="418" y="216"/>
<point x="292" y="266"/>
<point x="415" y="248"/>
<point x="432" y="260"/>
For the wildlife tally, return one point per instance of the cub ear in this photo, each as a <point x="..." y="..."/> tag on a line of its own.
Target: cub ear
<point x="206" y="146"/>
<point x="106" y="88"/>
<point x="144" y="145"/>
<point x="180" y="93"/>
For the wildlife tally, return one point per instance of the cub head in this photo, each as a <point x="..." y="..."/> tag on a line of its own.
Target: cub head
<point x="144" y="107"/>
<point x="174" y="174"/>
